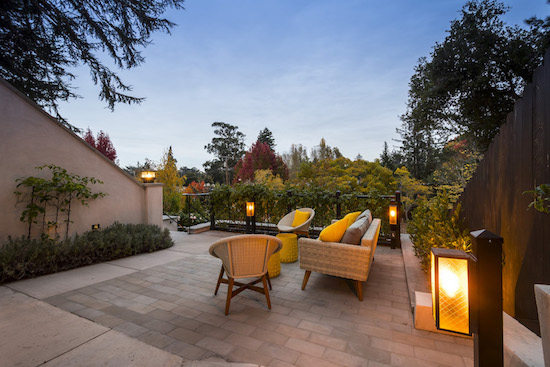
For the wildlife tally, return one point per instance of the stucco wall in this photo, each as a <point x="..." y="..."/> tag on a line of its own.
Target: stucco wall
<point x="29" y="138"/>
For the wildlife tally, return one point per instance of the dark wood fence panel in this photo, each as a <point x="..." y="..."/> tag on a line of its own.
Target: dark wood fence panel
<point x="517" y="160"/>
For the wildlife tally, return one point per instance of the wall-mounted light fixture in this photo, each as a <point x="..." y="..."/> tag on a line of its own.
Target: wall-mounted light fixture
<point x="451" y="276"/>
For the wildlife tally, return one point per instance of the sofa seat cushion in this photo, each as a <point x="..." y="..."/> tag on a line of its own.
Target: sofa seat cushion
<point x="335" y="231"/>
<point x="356" y="231"/>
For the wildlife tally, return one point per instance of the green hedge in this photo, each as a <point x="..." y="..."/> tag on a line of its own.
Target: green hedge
<point x="228" y="203"/>
<point x="27" y="258"/>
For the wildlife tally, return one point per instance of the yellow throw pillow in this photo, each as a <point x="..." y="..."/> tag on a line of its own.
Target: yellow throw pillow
<point x="300" y="218"/>
<point x="335" y="231"/>
<point x="351" y="217"/>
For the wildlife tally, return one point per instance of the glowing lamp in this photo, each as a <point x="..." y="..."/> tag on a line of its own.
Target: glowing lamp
<point x="393" y="214"/>
<point x="249" y="208"/>
<point x="148" y="176"/>
<point x="451" y="271"/>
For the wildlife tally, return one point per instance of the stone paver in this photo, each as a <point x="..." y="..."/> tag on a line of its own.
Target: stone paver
<point x="172" y="306"/>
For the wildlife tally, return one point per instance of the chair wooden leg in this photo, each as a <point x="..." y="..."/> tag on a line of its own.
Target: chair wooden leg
<point x="359" y="288"/>
<point x="266" y="291"/>
<point x="219" y="280"/>
<point x="269" y="281"/>
<point x="229" y="295"/>
<point x="306" y="278"/>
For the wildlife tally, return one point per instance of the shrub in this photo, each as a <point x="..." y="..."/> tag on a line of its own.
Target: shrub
<point x="27" y="258"/>
<point x="434" y="224"/>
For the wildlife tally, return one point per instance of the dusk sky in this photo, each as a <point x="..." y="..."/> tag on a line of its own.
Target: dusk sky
<point x="306" y="70"/>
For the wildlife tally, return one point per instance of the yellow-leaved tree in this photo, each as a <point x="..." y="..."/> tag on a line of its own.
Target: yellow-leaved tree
<point x="173" y="184"/>
<point x="266" y="177"/>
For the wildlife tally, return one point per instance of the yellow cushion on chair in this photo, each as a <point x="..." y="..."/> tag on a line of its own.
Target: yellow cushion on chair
<point x="335" y="231"/>
<point x="300" y="218"/>
<point x="351" y="217"/>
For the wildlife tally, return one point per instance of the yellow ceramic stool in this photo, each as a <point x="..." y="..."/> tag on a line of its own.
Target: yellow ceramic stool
<point x="274" y="265"/>
<point x="289" y="252"/>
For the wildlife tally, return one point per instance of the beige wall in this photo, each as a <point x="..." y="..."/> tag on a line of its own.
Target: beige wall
<point x="29" y="138"/>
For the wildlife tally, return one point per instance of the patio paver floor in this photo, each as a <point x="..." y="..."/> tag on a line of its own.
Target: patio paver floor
<point x="172" y="307"/>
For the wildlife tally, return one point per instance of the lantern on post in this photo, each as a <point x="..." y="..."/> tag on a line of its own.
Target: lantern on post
<point x="148" y="176"/>
<point x="250" y="217"/>
<point x="393" y="213"/>
<point x="249" y="208"/>
<point x="451" y="273"/>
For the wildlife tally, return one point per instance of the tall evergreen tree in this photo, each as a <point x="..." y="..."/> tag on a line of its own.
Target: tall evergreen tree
<point x="40" y="40"/>
<point x="266" y="136"/>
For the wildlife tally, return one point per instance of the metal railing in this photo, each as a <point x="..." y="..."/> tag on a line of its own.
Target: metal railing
<point x="231" y="216"/>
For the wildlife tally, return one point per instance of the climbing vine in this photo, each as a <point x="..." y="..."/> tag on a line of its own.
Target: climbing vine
<point x="50" y="201"/>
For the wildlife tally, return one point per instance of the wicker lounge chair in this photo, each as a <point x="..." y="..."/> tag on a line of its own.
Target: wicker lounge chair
<point x="340" y="259"/>
<point x="285" y="224"/>
<point x="245" y="256"/>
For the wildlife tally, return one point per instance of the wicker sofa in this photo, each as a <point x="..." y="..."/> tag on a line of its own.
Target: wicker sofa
<point x="340" y="259"/>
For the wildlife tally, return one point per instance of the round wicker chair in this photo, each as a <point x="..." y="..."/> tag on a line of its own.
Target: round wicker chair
<point x="285" y="224"/>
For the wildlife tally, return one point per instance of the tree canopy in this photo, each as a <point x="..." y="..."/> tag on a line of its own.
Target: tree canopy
<point x="294" y="159"/>
<point x="228" y="147"/>
<point x="469" y="83"/>
<point x="347" y="175"/>
<point x="102" y="143"/>
<point x="266" y="136"/>
<point x="41" y="39"/>
<point x="173" y="183"/>
<point x="260" y="157"/>
<point x="324" y="151"/>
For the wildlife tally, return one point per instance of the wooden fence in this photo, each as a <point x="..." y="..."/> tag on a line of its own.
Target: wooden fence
<point x="517" y="160"/>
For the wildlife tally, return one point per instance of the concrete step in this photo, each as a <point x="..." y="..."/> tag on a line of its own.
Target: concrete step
<point x="199" y="228"/>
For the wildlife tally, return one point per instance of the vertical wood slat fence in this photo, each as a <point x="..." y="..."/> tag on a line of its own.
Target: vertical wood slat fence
<point x="517" y="160"/>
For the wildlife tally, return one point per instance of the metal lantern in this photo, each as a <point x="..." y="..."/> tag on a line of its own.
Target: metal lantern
<point x="249" y="208"/>
<point x="148" y="176"/>
<point x="451" y="273"/>
<point x="393" y="214"/>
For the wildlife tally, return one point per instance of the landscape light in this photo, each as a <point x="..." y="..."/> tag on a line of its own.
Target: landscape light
<point x="148" y="176"/>
<point x="393" y="214"/>
<point x="249" y="208"/>
<point x="451" y="272"/>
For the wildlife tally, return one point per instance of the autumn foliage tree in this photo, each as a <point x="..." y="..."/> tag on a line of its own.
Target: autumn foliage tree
<point x="102" y="143"/>
<point x="173" y="183"/>
<point x="260" y="157"/>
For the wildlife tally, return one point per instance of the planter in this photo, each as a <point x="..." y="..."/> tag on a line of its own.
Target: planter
<point x="542" y="294"/>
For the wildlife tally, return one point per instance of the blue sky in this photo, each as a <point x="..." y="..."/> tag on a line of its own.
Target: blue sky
<point x="306" y="70"/>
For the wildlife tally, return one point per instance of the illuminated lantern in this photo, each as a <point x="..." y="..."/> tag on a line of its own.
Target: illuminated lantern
<point x="451" y="271"/>
<point x="148" y="176"/>
<point x="393" y="214"/>
<point x="249" y="208"/>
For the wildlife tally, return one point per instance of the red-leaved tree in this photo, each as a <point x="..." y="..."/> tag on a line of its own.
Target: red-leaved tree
<point x="102" y="143"/>
<point x="260" y="156"/>
<point x="195" y="188"/>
